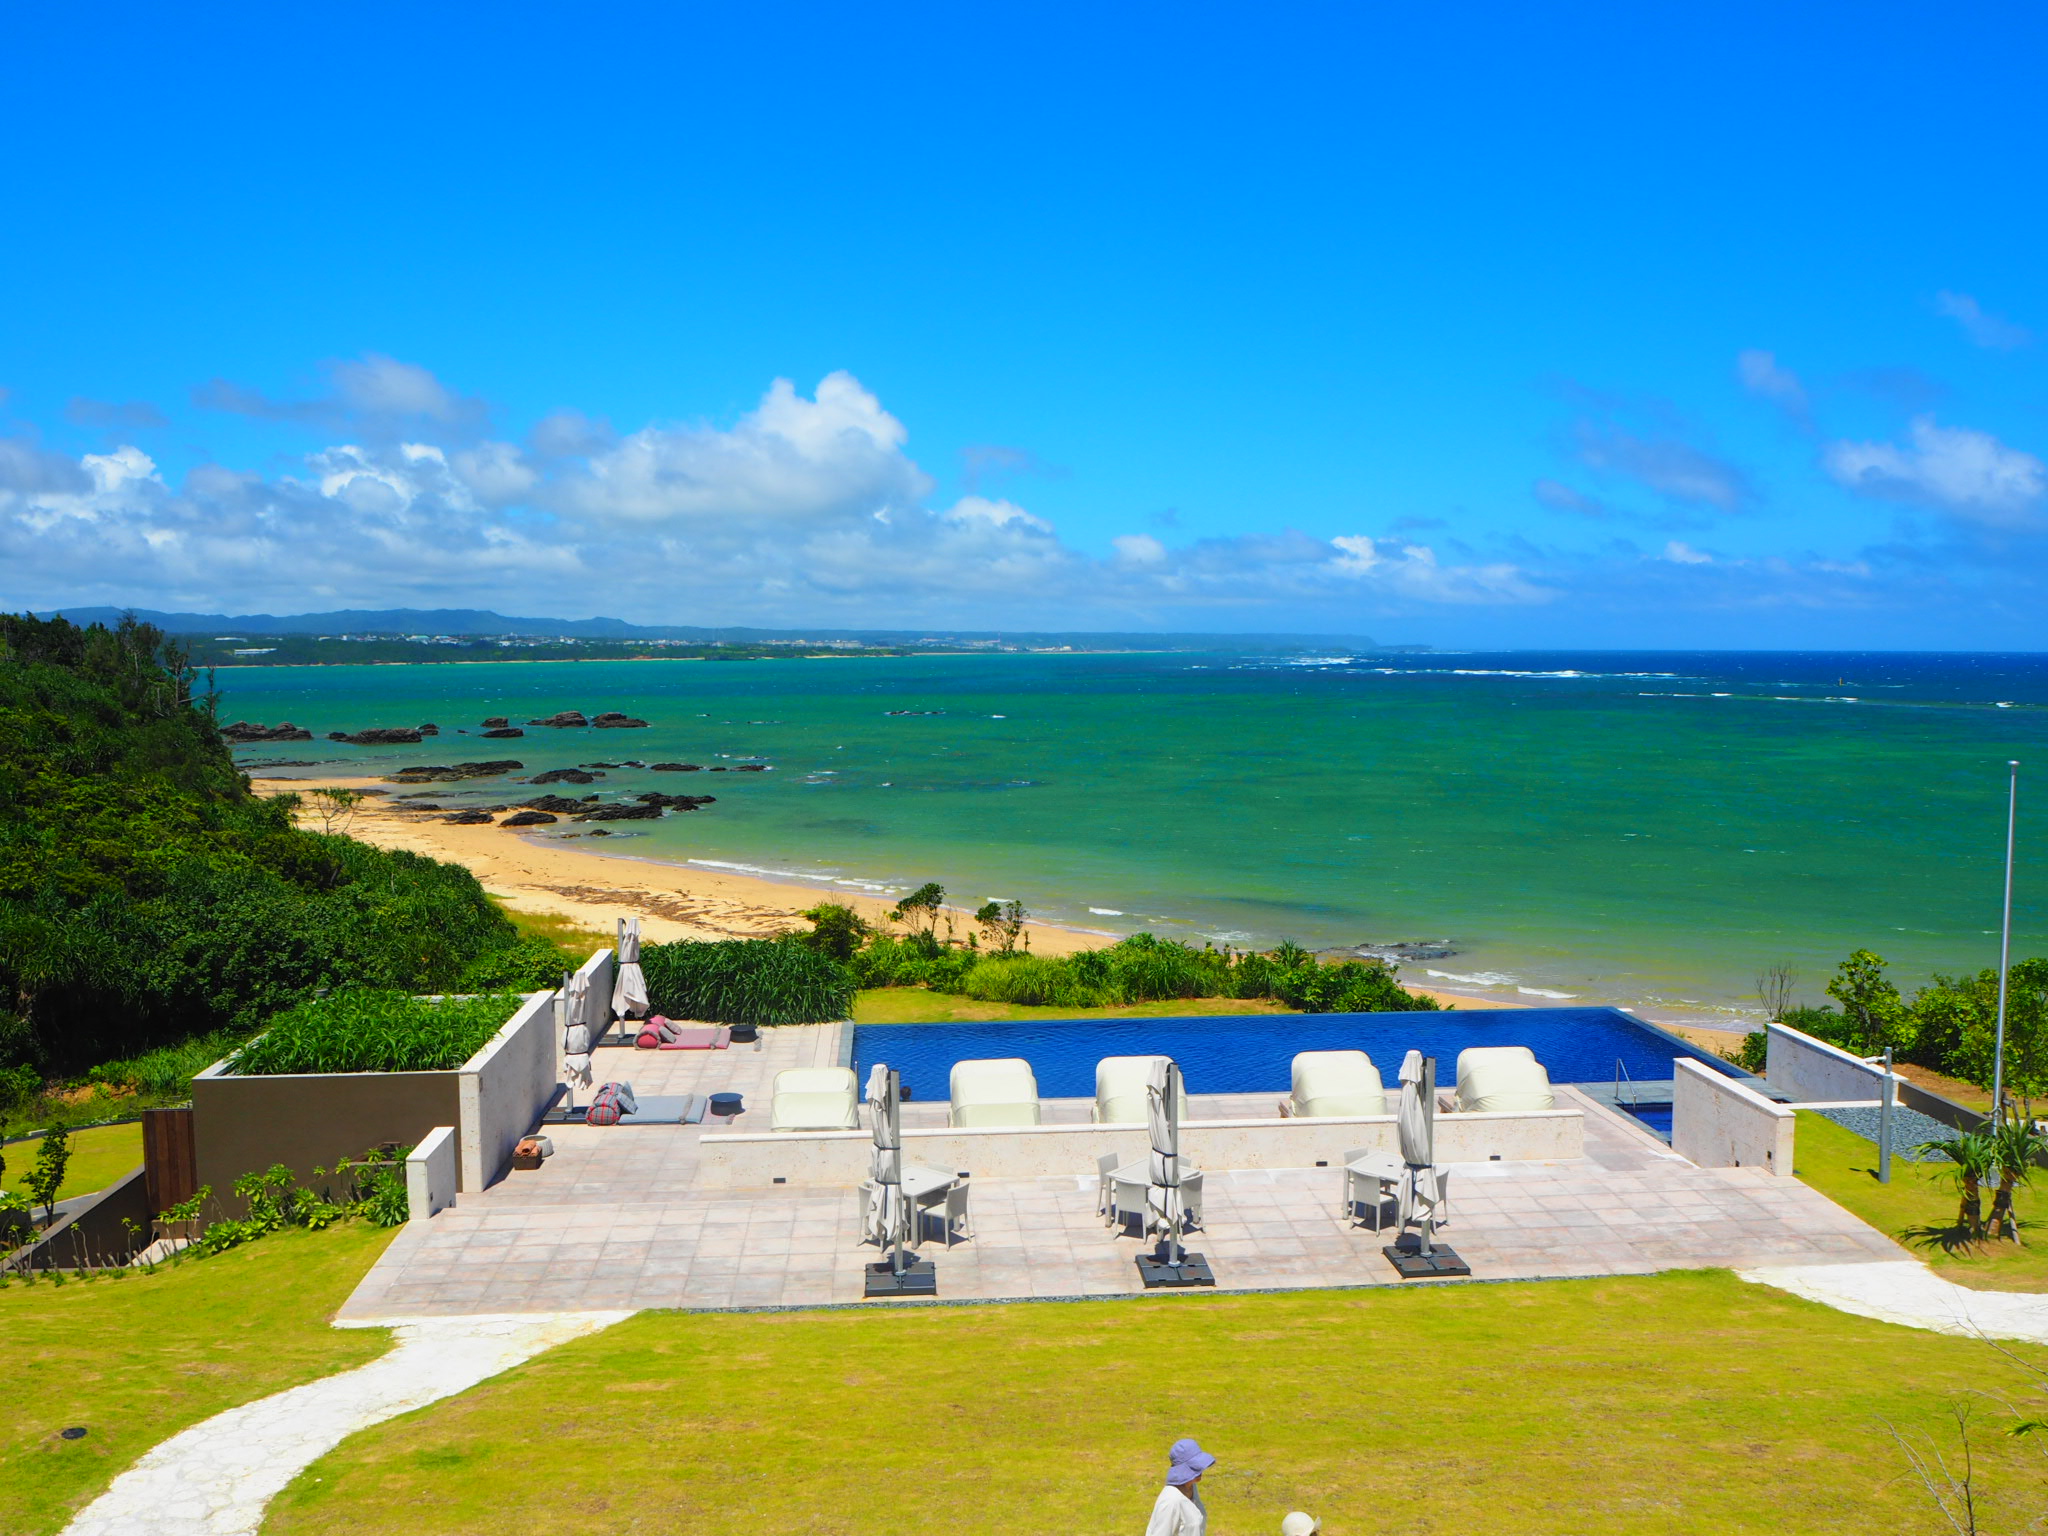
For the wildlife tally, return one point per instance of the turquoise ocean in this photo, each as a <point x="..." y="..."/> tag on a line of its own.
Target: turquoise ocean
<point x="1646" y="829"/>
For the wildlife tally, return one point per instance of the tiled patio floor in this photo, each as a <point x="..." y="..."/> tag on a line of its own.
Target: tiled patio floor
<point x="612" y="1220"/>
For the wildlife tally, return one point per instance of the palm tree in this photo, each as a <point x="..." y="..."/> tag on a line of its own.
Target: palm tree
<point x="2015" y="1145"/>
<point x="1975" y="1154"/>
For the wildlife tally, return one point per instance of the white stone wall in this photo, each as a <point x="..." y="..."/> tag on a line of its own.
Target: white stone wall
<point x="747" y="1159"/>
<point x="1810" y="1071"/>
<point x="1717" y="1122"/>
<point x="430" y="1174"/>
<point x="504" y="1088"/>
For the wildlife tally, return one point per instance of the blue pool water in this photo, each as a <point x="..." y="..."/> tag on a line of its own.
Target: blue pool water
<point x="1252" y="1053"/>
<point x="1656" y="1116"/>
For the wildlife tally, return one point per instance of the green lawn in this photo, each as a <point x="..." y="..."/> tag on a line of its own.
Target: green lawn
<point x="1684" y="1402"/>
<point x="135" y="1359"/>
<point x="98" y="1157"/>
<point x="914" y="1005"/>
<point x="1918" y="1208"/>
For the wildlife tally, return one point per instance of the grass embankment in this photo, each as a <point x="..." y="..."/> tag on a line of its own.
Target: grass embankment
<point x="915" y="1005"/>
<point x="576" y="942"/>
<point x="98" y="1157"/>
<point x="1918" y="1208"/>
<point x="1665" y="1403"/>
<point x="136" y="1359"/>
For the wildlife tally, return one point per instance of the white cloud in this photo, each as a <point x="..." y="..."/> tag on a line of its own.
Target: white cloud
<point x="1678" y="553"/>
<point x="1983" y="328"/>
<point x="1962" y="471"/>
<point x="1668" y="466"/>
<point x="1761" y="375"/>
<point x="1139" y="549"/>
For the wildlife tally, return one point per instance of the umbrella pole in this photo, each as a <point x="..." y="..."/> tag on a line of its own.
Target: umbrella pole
<point x="1429" y="1120"/>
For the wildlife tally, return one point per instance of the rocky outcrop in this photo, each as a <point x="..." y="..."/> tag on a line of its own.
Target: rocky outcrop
<point x="452" y="773"/>
<point x="622" y="810"/>
<point x="469" y="819"/>
<point x="614" y="720"/>
<point x="244" y="730"/>
<point x="496" y="722"/>
<point x="566" y="719"/>
<point x="502" y="733"/>
<point x="527" y="819"/>
<point x="749" y="767"/>
<point x="561" y="805"/>
<point x="675" y="802"/>
<point x="675" y="767"/>
<point x="394" y="736"/>
<point x="565" y="776"/>
<point x="428" y="730"/>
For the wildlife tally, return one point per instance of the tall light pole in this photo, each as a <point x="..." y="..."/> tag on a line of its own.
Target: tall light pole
<point x="2012" y="819"/>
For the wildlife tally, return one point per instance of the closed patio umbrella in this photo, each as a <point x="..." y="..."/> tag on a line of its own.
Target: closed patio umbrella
<point x="1162" y="1099"/>
<point x="885" y="1164"/>
<point x="1416" y="1123"/>
<point x="629" y="989"/>
<point x="576" y="1036"/>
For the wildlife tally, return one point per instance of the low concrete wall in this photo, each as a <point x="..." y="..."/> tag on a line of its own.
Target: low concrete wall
<point x="504" y="1088"/>
<point x="601" y="970"/>
<point x="1717" y="1122"/>
<point x="1810" y="1071"/>
<point x="736" y="1160"/>
<point x="315" y="1120"/>
<point x="104" y="1234"/>
<point x="430" y="1175"/>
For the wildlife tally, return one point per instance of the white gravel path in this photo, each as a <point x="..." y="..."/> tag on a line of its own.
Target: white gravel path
<point x="1907" y="1292"/>
<point x="216" y="1478"/>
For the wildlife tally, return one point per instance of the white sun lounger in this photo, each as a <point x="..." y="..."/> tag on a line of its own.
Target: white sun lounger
<point x="1120" y="1090"/>
<point x="1502" y="1077"/>
<point x="815" y="1099"/>
<point x="1329" y="1083"/>
<point x="1003" y="1092"/>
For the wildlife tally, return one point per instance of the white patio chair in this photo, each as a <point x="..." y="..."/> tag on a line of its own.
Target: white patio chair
<point x="957" y="1218"/>
<point x="1370" y="1178"/>
<point x="1105" y="1187"/>
<point x="1120" y="1083"/>
<point x="1502" y="1077"/>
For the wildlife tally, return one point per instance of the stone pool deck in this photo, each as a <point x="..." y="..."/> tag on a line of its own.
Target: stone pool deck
<point x="613" y="1219"/>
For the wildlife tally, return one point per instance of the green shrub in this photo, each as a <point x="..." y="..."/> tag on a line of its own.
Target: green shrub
<point x="1032" y="980"/>
<point x="366" y="1030"/>
<point x="531" y="964"/>
<point x="746" y="981"/>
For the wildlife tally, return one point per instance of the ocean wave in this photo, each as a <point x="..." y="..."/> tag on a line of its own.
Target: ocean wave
<point x="1541" y="992"/>
<point x="1476" y="979"/>
<point x="1106" y="911"/>
<point x="1512" y="672"/>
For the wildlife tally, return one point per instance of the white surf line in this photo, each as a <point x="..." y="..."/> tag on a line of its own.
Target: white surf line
<point x="1907" y="1292"/>
<point x="217" y="1478"/>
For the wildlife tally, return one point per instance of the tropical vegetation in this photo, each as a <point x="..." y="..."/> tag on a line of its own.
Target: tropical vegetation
<point x="149" y="899"/>
<point x="746" y="981"/>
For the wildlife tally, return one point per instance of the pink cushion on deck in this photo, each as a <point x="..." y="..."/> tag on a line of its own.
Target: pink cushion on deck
<point x="705" y="1037"/>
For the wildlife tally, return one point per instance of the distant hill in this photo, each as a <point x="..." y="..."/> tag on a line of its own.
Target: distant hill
<point x="477" y="621"/>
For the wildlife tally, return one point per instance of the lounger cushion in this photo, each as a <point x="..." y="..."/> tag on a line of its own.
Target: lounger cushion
<point x="1328" y="1083"/>
<point x="1002" y="1092"/>
<point x="1120" y="1084"/>
<point x="1502" y="1077"/>
<point x="815" y="1099"/>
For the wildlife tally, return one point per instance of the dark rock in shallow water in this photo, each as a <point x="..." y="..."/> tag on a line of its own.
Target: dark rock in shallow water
<point x="502" y="733"/>
<point x="560" y="804"/>
<point x="1410" y="949"/>
<point x="380" y="736"/>
<point x="566" y="719"/>
<point x="495" y="722"/>
<point x="614" y="720"/>
<point x="470" y="818"/>
<point x="716" y="768"/>
<point x="565" y="776"/>
<point x="676" y="802"/>
<point x="622" y="811"/>
<point x="600" y="765"/>
<point x="675" y="767"/>
<point x="749" y="767"/>
<point x="244" y="730"/>
<point x="527" y="819"/>
<point x="428" y="730"/>
<point x="435" y="773"/>
<point x="424" y="805"/>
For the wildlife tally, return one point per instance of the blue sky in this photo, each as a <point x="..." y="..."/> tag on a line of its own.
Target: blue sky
<point x="1722" y="328"/>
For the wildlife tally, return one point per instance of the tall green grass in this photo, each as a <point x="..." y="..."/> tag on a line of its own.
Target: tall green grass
<point x="746" y="981"/>
<point x="369" y="1030"/>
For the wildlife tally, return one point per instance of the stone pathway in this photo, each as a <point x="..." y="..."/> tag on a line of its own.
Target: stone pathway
<point x="216" y="1478"/>
<point x="1910" y="1294"/>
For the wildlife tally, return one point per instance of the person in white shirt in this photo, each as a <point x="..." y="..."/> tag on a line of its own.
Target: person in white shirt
<point x="1179" y="1510"/>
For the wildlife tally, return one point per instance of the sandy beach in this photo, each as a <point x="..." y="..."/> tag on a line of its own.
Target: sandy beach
<point x="594" y="889"/>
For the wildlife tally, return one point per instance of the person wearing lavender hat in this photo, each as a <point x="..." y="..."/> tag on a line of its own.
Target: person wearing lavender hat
<point x="1179" y="1511"/>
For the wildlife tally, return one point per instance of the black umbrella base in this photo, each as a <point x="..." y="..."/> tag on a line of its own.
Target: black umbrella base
<point x="1412" y="1263"/>
<point x="1157" y="1274"/>
<point x="918" y="1279"/>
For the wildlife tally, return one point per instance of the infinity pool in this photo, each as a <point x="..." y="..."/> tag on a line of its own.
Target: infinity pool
<point x="1252" y="1053"/>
